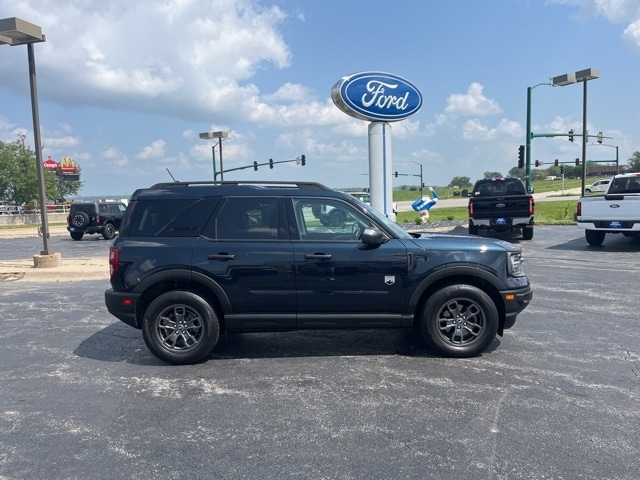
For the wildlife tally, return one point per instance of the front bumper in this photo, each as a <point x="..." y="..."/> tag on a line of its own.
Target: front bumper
<point x="515" y="301"/>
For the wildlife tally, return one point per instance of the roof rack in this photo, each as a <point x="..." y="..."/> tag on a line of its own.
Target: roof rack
<point x="272" y="184"/>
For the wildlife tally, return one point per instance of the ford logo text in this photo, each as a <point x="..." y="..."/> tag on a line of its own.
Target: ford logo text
<point x="376" y="96"/>
<point x="614" y="205"/>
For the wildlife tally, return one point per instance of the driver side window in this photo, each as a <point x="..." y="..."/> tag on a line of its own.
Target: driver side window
<point x="325" y="219"/>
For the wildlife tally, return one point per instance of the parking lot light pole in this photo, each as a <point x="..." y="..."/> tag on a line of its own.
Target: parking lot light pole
<point x="14" y="31"/>
<point x="581" y="76"/>
<point x="220" y="136"/>
<point x="527" y="148"/>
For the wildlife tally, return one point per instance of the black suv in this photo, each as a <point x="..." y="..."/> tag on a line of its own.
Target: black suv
<point x="194" y="260"/>
<point x="95" y="217"/>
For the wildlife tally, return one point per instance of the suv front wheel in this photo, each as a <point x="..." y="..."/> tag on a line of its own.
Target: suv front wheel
<point x="109" y="231"/>
<point x="459" y="321"/>
<point x="180" y="327"/>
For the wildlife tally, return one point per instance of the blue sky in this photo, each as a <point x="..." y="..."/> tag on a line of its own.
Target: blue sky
<point x="126" y="87"/>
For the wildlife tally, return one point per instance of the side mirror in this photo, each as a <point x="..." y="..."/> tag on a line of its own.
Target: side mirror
<point x="373" y="236"/>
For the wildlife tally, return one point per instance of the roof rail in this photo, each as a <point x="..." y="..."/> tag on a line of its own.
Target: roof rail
<point x="272" y="184"/>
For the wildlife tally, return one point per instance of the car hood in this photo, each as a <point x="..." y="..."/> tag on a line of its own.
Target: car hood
<point x="461" y="242"/>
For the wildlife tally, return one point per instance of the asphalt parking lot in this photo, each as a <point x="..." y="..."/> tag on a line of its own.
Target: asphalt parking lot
<point x="556" y="398"/>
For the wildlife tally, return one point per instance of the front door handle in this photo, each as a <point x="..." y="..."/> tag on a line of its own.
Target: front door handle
<point x="317" y="256"/>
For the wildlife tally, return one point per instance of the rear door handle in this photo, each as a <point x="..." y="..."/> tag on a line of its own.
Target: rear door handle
<point x="221" y="256"/>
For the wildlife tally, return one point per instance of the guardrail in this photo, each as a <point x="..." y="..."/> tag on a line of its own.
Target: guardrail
<point x="32" y="218"/>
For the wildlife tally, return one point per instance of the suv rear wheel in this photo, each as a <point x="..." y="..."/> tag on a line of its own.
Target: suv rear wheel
<point x="459" y="321"/>
<point x="77" y="235"/>
<point x="180" y="327"/>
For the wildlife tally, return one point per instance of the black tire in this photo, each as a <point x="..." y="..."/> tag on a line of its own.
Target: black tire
<point x="109" y="231"/>
<point x="77" y="235"/>
<point x="79" y="220"/>
<point x="473" y="230"/>
<point x="527" y="232"/>
<point x="180" y="327"/>
<point x="594" y="237"/>
<point x="459" y="321"/>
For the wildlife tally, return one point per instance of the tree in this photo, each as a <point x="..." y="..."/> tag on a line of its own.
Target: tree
<point x="490" y="175"/>
<point x="517" y="173"/>
<point x="460" y="182"/>
<point x="19" y="175"/>
<point x="633" y="163"/>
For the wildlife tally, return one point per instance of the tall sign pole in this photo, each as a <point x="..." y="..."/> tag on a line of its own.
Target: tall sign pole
<point x="379" y="98"/>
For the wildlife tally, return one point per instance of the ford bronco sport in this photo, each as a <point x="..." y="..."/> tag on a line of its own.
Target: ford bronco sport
<point x="196" y="259"/>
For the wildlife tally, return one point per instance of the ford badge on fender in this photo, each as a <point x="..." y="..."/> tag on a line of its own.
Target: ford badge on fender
<point x="376" y="96"/>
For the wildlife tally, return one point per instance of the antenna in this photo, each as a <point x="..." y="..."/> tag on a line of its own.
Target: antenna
<point x="172" y="177"/>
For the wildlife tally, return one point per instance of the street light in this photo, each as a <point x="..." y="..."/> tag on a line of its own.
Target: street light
<point x="527" y="150"/>
<point x="420" y="175"/>
<point x="220" y="136"/>
<point x="14" y="31"/>
<point x="581" y="76"/>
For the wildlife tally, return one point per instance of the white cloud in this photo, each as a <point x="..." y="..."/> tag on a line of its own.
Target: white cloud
<point x="154" y="151"/>
<point x="472" y="103"/>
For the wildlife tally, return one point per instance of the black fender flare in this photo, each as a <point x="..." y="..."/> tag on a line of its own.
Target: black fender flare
<point x="476" y="274"/>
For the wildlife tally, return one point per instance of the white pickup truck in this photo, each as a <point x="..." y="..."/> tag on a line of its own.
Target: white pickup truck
<point x="617" y="211"/>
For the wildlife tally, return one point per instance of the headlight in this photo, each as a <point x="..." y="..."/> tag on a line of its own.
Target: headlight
<point x="516" y="264"/>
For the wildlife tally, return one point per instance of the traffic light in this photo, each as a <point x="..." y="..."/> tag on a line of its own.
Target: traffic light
<point x="271" y="163"/>
<point x="556" y="162"/>
<point x="255" y="166"/>
<point x="537" y="163"/>
<point x="577" y="162"/>
<point x="303" y="160"/>
<point x="521" y="156"/>
<point x="599" y="137"/>
<point x="571" y="135"/>
<point x="562" y="169"/>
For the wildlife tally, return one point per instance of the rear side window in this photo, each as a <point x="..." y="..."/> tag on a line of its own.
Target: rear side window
<point x="251" y="218"/>
<point x="167" y="217"/>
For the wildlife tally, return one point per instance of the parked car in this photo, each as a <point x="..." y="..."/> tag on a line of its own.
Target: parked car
<point x="95" y="217"/>
<point x="194" y="260"/>
<point x="501" y="204"/>
<point x="10" y="208"/>
<point x="617" y="211"/>
<point x="599" y="186"/>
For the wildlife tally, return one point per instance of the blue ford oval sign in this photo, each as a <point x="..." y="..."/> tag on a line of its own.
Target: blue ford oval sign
<point x="376" y="96"/>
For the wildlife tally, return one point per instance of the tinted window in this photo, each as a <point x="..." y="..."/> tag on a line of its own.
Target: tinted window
<point x="328" y="219"/>
<point x="167" y="217"/>
<point x="250" y="218"/>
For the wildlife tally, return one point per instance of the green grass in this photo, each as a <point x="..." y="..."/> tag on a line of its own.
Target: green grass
<point x="559" y="212"/>
<point x="444" y="192"/>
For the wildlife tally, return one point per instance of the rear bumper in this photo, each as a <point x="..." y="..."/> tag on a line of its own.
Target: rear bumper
<point x="122" y="306"/>
<point x="606" y="225"/>
<point x="493" y="222"/>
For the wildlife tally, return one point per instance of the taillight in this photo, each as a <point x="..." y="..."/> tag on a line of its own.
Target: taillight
<point x="531" y="205"/>
<point x="579" y="209"/>
<point x="470" y="208"/>
<point x="113" y="261"/>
